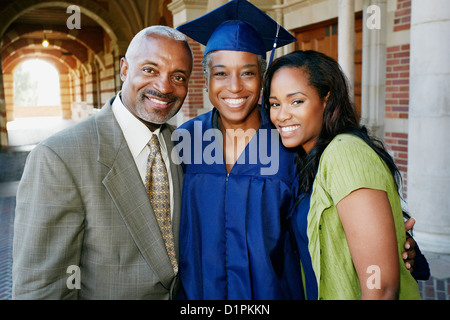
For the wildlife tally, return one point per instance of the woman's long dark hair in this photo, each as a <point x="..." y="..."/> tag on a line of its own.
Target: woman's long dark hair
<point x="339" y="116"/>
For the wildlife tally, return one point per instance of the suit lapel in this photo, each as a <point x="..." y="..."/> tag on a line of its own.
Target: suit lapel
<point x="126" y="189"/>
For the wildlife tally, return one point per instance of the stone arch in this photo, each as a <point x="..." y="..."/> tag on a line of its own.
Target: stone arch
<point x="33" y="44"/>
<point x="70" y="64"/>
<point x="80" y="45"/>
<point x="59" y="65"/>
<point x="90" y="8"/>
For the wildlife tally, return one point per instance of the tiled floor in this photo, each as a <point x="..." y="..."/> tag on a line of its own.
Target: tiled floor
<point x="11" y="166"/>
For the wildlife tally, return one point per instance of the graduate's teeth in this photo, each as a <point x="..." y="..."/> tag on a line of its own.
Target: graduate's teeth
<point x="234" y="101"/>
<point x="290" y="128"/>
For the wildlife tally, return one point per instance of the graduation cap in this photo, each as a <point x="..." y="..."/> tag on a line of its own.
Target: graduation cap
<point x="238" y="26"/>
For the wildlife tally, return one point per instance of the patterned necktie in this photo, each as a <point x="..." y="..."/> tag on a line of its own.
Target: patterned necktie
<point x="157" y="185"/>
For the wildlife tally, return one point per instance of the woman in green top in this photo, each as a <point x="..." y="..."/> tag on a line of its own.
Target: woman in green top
<point x="348" y="223"/>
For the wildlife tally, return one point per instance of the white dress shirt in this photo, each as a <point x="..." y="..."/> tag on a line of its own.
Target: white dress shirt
<point x="137" y="136"/>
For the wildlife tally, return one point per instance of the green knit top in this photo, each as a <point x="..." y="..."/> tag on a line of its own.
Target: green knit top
<point x="348" y="164"/>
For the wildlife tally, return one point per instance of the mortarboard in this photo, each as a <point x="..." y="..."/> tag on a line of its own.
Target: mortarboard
<point x="238" y="26"/>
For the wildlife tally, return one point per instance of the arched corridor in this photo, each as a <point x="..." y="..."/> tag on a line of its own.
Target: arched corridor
<point x="85" y="68"/>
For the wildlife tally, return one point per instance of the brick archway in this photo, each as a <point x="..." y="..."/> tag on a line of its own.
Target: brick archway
<point x="67" y="78"/>
<point x="90" y="8"/>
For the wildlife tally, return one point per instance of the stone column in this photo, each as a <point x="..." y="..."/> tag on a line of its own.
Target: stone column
<point x="374" y="66"/>
<point x="346" y="39"/>
<point x="429" y="124"/>
<point x="213" y="4"/>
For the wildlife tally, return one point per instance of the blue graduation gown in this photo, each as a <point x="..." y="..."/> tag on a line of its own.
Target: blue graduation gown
<point x="234" y="233"/>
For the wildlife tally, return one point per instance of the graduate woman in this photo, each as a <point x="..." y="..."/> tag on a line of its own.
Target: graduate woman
<point x="348" y="223"/>
<point x="234" y="237"/>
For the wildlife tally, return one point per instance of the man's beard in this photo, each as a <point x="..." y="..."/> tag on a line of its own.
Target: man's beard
<point x="157" y="116"/>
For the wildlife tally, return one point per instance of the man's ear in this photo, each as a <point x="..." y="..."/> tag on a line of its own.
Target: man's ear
<point x="123" y="69"/>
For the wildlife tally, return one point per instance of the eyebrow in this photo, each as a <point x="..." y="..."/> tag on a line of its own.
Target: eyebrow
<point x="294" y="93"/>
<point x="290" y="95"/>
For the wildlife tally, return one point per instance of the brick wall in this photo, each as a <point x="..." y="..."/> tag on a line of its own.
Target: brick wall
<point x="397" y="90"/>
<point x="397" y="82"/>
<point x="8" y="91"/>
<point x="64" y="83"/>
<point x="398" y="145"/>
<point x="402" y="18"/>
<point x="194" y="99"/>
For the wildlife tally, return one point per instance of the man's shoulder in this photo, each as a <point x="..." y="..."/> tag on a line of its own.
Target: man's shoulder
<point x="78" y="134"/>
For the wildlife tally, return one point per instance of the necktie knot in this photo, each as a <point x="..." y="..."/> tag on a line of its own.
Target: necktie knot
<point x="154" y="145"/>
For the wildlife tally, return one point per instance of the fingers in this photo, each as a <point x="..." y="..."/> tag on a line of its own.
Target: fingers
<point x="409" y="224"/>
<point x="410" y="254"/>
<point x="409" y="263"/>
<point x="410" y="246"/>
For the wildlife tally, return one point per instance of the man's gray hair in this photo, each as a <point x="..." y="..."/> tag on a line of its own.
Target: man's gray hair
<point x="155" y="30"/>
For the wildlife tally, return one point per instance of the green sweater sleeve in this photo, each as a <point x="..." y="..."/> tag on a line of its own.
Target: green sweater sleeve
<point x="348" y="164"/>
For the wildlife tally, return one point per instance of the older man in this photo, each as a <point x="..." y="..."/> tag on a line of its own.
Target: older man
<point x="98" y="206"/>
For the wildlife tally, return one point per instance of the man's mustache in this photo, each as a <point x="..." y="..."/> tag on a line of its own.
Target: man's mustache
<point x="160" y="95"/>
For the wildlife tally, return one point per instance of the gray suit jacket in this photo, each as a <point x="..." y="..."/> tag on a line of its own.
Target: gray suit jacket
<point x="83" y="217"/>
